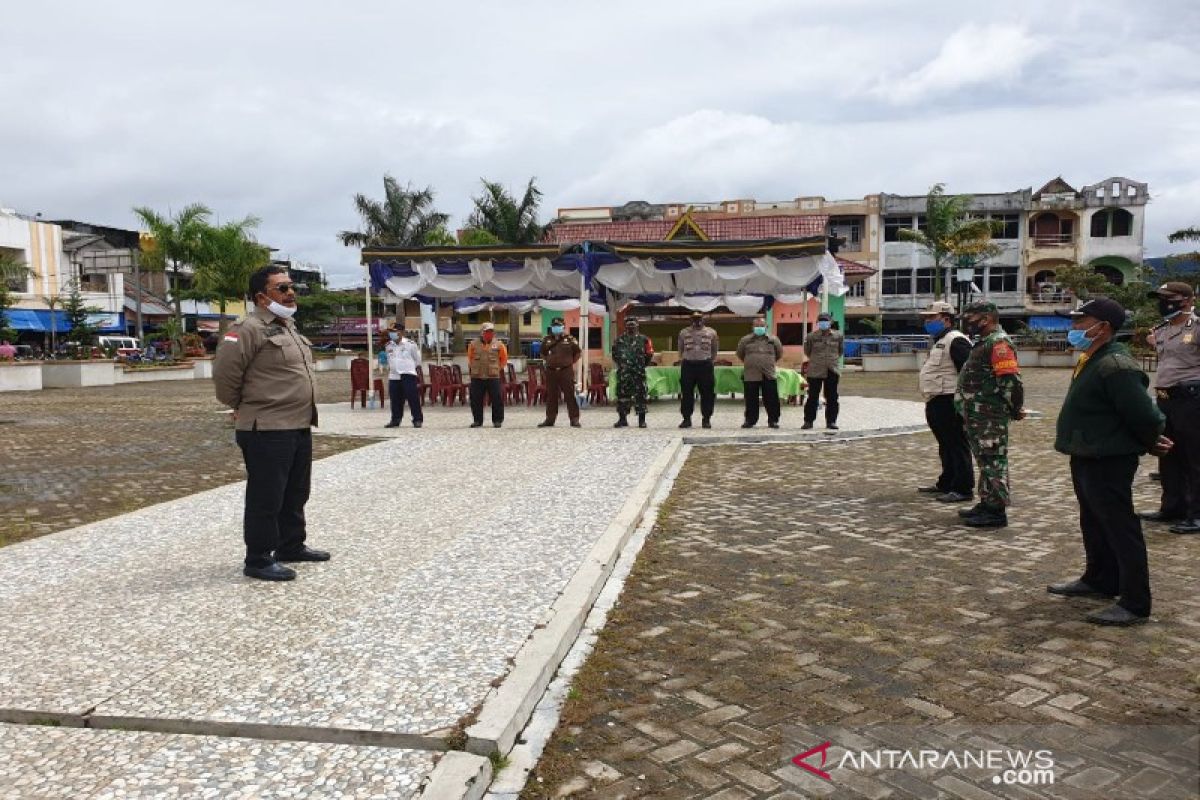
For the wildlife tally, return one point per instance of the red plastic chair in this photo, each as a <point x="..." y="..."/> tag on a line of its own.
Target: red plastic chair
<point x="360" y="380"/>
<point x="453" y="386"/>
<point x="422" y="386"/>
<point x="597" y="385"/>
<point x="535" y="384"/>
<point x="514" y="390"/>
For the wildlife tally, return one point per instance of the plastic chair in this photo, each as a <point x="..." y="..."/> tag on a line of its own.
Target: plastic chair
<point x="597" y="385"/>
<point x="514" y="390"/>
<point x="381" y="393"/>
<point x="535" y="384"/>
<point x="422" y="386"/>
<point x="453" y="386"/>
<point x="360" y="380"/>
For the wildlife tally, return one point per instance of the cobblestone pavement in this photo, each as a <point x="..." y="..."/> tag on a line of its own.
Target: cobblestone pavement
<point x="792" y="586"/>
<point x="72" y="456"/>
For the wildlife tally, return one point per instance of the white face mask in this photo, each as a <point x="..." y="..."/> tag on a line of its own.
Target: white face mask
<point x="280" y="310"/>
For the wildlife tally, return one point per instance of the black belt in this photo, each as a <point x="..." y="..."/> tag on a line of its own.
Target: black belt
<point x="697" y="361"/>
<point x="1189" y="389"/>
<point x="569" y="366"/>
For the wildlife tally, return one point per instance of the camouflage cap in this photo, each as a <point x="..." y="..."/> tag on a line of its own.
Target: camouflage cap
<point x="558" y="321"/>
<point x="981" y="307"/>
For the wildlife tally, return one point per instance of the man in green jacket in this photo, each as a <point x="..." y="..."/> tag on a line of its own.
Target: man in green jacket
<point x="1107" y="421"/>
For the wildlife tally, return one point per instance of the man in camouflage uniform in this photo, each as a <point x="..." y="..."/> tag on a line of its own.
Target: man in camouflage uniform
<point x="989" y="394"/>
<point x="631" y="353"/>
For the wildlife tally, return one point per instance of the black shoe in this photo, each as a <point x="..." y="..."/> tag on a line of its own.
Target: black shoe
<point x="953" y="497"/>
<point x="687" y="423"/>
<point x="972" y="511"/>
<point x="1076" y="589"/>
<point x="497" y="424"/>
<point x="622" y="422"/>
<point x="1116" y="615"/>
<point x="706" y="424"/>
<point x="806" y="426"/>
<point x="641" y="420"/>
<point x="392" y="425"/>
<point x="1159" y="516"/>
<point x="987" y="518"/>
<point x="747" y="424"/>
<point x="304" y="554"/>
<point x="772" y="424"/>
<point x="930" y="490"/>
<point x="545" y="424"/>
<point x="1187" y="526"/>
<point x="270" y="572"/>
<point x="476" y="424"/>
<point x="831" y="426"/>
<point x="576" y="424"/>
<point x="417" y="423"/>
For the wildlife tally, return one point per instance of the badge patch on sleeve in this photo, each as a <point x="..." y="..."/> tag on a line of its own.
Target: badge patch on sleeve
<point x="231" y="336"/>
<point x="1004" y="360"/>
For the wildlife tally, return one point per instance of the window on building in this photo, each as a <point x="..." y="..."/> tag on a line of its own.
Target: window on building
<point x="897" y="281"/>
<point x="16" y="283"/>
<point x="849" y="229"/>
<point x="527" y="319"/>
<point x="790" y="332"/>
<point x="925" y="280"/>
<point x="857" y="289"/>
<point x="1009" y="228"/>
<point x="892" y="226"/>
<point x="1003" y="279"/>
<point x="1112" y="222"/>
<point x="473" y="318"/>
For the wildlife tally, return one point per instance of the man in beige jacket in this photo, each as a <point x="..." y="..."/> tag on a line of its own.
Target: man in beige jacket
<point x="264" y="371"/>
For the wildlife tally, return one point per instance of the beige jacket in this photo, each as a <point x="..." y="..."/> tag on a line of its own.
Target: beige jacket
<point x="264" y="371"/>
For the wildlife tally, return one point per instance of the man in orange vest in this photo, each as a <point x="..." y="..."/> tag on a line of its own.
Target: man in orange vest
<point x="487" y="357"/>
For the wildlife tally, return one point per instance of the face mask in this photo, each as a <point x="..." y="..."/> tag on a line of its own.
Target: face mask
<point x="488" y="336"/>
<point x="556" y="330"/>
<point x="1169" y="308"/>
<point x="824" y="324"/>
<point x="760" y="330"/>
<point x="281" y="310"/>
<point x="935" y="326"/>
<point x="1079" y="339"/>
<point x="395" y="337"/>
<point x="632" y="331"/>
<point x="696" y="323"/>
<point x="971" y="327"/>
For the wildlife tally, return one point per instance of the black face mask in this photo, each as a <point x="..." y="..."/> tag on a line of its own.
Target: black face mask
<point x="1168" y="308"/>
<point x="972" y="327"/>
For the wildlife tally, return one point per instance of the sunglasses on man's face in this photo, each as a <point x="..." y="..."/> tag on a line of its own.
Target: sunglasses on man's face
<point x="284" y="287"/>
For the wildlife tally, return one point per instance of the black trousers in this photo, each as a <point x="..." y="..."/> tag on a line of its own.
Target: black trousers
<point x="958" y="474"/>
<point x="278" y="477"/>
<point x="491" y="387"/>
<point x="404" y="391"/>
<point x="770" y="399"/>
<point x="1180" y="468"/>
<point x="1112" y="532"/>
<point x="695" y="375"/>
<point x="830" y="384"/>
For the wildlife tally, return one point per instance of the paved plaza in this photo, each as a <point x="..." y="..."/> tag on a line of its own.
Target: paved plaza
<point x="792" y="580"/>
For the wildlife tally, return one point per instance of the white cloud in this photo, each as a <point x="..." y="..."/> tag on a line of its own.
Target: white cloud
<point x="974" y="55"/>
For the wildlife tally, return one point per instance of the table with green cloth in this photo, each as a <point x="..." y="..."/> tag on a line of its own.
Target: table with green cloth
<point x="665" y="380"/>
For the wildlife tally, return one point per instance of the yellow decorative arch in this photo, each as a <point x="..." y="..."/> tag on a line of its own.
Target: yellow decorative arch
<point x="685" y="226"/>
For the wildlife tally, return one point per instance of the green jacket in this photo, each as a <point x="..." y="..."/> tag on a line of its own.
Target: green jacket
<point x="1107" y="411"/>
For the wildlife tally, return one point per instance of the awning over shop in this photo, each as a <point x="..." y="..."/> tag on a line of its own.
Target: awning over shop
<point x="1049" y="323"/>
<point x="37" y="320"/>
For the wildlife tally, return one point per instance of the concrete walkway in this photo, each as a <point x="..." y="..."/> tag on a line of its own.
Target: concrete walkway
<point x="464" y="561"/>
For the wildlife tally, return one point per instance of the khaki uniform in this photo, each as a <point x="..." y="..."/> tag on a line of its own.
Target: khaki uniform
<point x="758" y="355"/>
<point x="560" y="354"/>
<point x="263" y="370"/>
<point x="824" y="350"/>
<point x="1177" y="387"/>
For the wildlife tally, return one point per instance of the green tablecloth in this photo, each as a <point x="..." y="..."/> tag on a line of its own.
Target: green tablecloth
<point x="665" y="380"/>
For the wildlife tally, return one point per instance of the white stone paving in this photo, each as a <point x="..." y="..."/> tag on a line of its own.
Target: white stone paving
<point x="72" y="763"/>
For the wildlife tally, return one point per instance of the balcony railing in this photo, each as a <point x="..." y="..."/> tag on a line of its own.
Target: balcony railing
<point x="1053" y="239"/>
<point x="1052" y="297"/>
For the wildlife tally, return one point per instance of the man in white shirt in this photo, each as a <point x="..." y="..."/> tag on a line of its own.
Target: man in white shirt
<point x="403" y="358"/>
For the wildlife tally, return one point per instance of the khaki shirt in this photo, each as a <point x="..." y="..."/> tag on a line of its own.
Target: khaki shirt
<point x="263" y="370"/>
<point x="759" y="354"/>
<point x="560" y="351"/>
<point x="824" y="350"/>
<point x="1178" y="349"/>
<point x="698" y="344"/>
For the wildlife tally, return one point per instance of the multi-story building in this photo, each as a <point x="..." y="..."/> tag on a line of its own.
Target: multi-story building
<point x="1100" y="226"/>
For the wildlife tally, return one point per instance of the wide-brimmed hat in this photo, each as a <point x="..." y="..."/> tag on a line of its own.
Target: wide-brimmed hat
<point x="939" y="307"/>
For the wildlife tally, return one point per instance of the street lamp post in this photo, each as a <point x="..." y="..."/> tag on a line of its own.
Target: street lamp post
<point x="966" y="277"/>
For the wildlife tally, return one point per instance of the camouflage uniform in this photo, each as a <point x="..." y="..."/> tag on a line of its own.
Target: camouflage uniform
<point x="631" y="353"/>
<point x="989" y="394"/>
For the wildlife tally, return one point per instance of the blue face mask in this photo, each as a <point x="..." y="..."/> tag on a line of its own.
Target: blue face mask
<point x="1079" y="339"/>
<point x="556" y="329"/>
<point x="760" y="330"/>
<point x="395" y="337"/>
<point x="935" y="326"/>
<point x="824" y="324"/>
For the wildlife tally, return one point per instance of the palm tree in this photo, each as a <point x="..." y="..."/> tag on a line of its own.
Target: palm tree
<point x="12" y="269"/>
<point x="511" y="222"/>
<point x="226" y="257"/>
<point x="500" y="214"/>
<point x="404" y="218"/>
<point x="176" y="240"/>
<point x="950" y="235"/>
<point x="1185" y="235"/>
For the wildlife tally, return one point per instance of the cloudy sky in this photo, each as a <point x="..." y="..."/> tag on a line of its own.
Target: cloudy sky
<point x="286" y="110"/>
